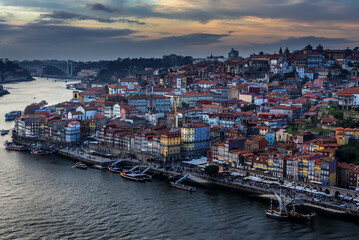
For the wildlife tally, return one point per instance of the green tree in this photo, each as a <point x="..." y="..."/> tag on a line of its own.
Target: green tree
<point x="349" y="153"/>
<point x="211" y="170"/>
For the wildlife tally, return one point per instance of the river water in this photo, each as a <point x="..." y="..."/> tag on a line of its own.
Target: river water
<point x="45" y="197"/>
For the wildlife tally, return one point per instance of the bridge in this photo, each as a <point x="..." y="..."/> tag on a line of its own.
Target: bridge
<point x="65" y="67"/>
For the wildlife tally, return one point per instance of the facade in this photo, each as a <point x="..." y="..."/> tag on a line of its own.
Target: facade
<point x="72" y="132"/>
<point x="349" y="98"/>
<point x="170" y="146"/>
<point x="195" y="139"/>
<point x="343" y="135"/>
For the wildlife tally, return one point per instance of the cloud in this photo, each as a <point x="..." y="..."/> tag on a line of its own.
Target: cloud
<point x="194" y="39"/>
<point x="208" y="10"/>
<point x="103" y="8"/>
<point x="62" y="15"/>
<point x="293" y="43"/>
<point x="80" y="43"/>
<point x="67" y="16"/>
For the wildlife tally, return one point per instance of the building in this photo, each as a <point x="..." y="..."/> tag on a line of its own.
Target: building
<point x="349" y="98"/>
<point x="170" y="146"/>
<point x="195" y="139"/>
<point x="343" y="135"/>
<point x="72" y="132"/>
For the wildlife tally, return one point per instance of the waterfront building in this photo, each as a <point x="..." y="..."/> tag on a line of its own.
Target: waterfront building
<point x="261" y="163"/>
<point x="72" y="132"/>
<point x="224" y="152"/>
<point x="195" y="139"/>
<point x="96" y="124"/>
<point x="329" y="172"/>
<point x="170" y="146"/>
<point x="23" y="124"/>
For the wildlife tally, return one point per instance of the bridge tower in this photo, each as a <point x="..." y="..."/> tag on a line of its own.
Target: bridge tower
<point x="69" y="68"/>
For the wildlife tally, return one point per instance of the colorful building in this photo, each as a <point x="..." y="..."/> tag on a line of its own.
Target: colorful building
<point x="343" y="135"/>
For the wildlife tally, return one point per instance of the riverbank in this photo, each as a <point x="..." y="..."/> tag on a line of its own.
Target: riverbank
<point x="15" y="80"/>
<point x="247" y="187"/>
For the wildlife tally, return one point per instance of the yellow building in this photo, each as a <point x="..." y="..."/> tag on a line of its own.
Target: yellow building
<point x="343" y="135"/>
<point x="170" y="146"/>
<point x="261" y="164"/>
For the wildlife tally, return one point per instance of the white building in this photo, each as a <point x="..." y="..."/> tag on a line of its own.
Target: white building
<point x="72" y="132"/>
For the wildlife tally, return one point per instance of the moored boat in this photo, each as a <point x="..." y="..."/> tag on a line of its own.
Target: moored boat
<point x="279" y="215"/>
<point x="182" y="186"/>
<point x="178" y="184"/>
<point x="12" y="115"/>
<point x="40" y="152"/>
<point x="133" y="176"/>
<point x="282" y="212"/>
<point x="4" y="132"/>
<point x="99" y="166"/>
<point x="115" y="169"/>
<point x="13" y="146"/>
<point x="299" y="217"/>
<point x="81" y="165"/>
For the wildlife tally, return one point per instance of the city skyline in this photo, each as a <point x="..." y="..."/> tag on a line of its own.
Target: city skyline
<point x="94" y="30"/>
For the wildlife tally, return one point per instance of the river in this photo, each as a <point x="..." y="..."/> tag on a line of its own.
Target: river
<point x="45" y="197"/>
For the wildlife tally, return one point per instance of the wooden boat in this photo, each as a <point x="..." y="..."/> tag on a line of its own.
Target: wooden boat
<point x="303" y="218"/>
<point x="275" y="214"/>
<point x="283" y="214"/>
<point x="81" y="165"/>
<point x="132" y="176"/>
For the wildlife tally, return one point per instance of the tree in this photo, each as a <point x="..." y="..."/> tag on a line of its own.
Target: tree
<point x="31" y="108"/>
<point x="349" y="153"/>
<point x="211" y="170"/>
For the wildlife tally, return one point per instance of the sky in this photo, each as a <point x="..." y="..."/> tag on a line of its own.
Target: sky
<point x="111" y="29"/>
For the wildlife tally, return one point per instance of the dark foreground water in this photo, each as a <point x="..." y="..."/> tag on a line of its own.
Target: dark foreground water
<point x="45" y="197"/>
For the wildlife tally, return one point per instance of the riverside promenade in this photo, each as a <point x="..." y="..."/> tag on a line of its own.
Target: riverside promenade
<point x="328" y="206"/>
<point x="331" y="207"/>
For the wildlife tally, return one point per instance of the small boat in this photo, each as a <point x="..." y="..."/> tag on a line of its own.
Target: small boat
<point x="178" y="184"/>
<point x="13" y="146"/>
<point x="133" y="176"/>
<point x="40" y="152"/>
<point x="81" y="165"/>
<point x="115" y="169"/>
<point x="182" y="186"/>
<point x="12" y="115"/>
<point x="303" y="218"/>
<point x="98" y="166"/>
<point x="283" y="214"/>
<point x="4" y="132"/>
<point x="279" y="214"/>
